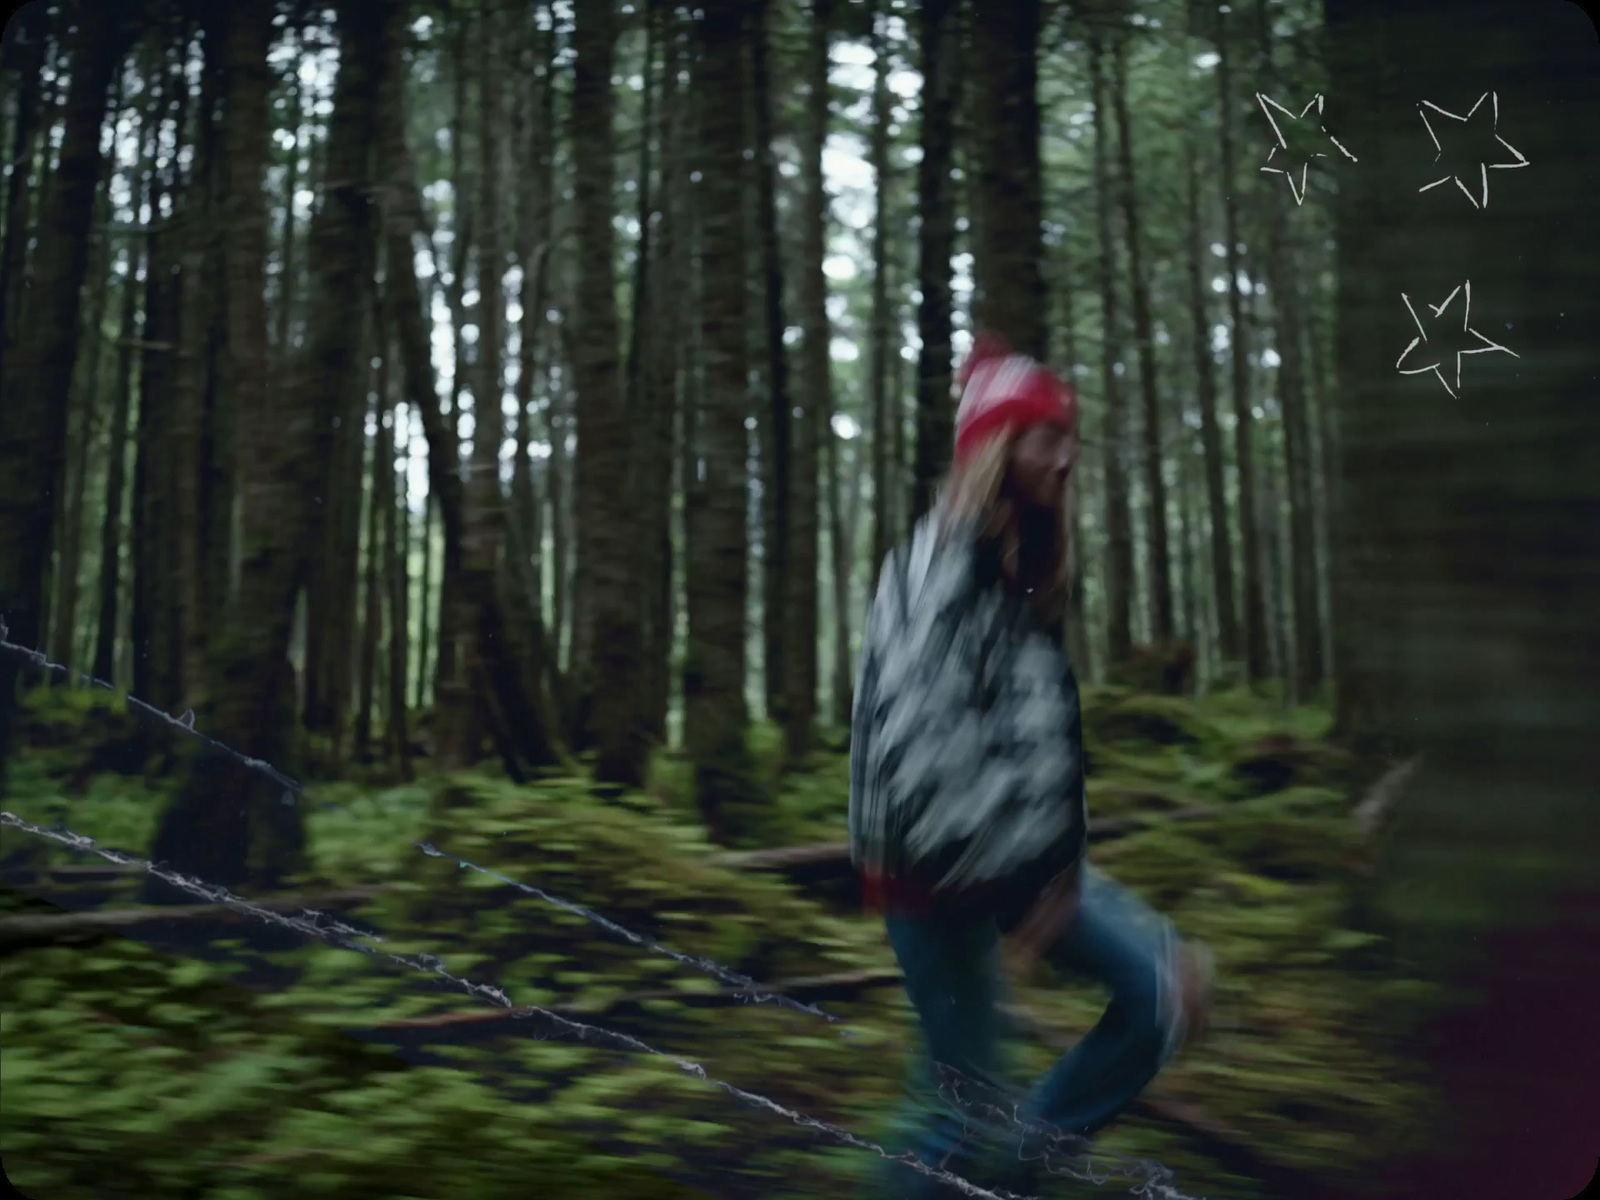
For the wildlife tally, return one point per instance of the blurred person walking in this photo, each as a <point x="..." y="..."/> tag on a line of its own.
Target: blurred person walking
<point x="968" y="820"/>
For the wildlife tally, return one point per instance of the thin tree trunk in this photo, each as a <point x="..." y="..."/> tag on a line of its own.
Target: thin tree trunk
<point x="607" y="520"/>
<point x="1076" y="623"/>
<point x="425" y="601"/>
<point x="1221" y="544"/>
<point x="1255" y="629"/>
<point x="69" y="559"/>
<point x="397" y="540"/>
<point x="878" y="368"/>
<point x="152" y="506"/>
<point x="1119" y="582"/>
<point x="372" y="607"/>
<point x="936" y="247"/>
<point x="776" y="484"/>
<point x="660" y="400"/>
<point x="814" y="402"/>
<point x="286" y="263"/>
<point x="451" y="615"/>
<point x="196" y="307"/>
<point x="105" y="643"/>
<point x="1158" y="578"/>
<point x="25" y="50"/>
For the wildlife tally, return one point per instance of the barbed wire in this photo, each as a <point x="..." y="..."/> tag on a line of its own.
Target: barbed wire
<point x="317" y="924"/>
<point x="976" y="1117"/>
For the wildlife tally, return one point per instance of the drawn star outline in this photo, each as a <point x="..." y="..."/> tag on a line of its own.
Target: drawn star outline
<point x="1465" y="291"/>
<point x="1483" y="167"/>
<point x="1301" y="154"/>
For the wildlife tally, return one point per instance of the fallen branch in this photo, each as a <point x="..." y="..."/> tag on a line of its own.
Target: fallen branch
<point x="56" y="929"/>
<point x="1380" y="800"/>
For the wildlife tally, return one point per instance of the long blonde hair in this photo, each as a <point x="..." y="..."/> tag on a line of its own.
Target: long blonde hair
<point x="974" y="497"/>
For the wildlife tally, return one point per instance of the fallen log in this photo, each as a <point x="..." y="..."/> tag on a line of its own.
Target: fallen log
<point x="78" y="928"/>
<point x="1219" y="1142"/>
<point x="825" y="860"/>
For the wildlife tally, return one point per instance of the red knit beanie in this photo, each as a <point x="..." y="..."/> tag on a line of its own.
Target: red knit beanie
<point x="1001" y="390"/>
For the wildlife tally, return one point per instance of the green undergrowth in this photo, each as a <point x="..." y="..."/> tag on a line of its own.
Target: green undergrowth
<point x="132" y="1071"/>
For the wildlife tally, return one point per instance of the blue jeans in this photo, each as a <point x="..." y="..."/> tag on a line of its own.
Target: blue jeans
<point x="955" y="980"/>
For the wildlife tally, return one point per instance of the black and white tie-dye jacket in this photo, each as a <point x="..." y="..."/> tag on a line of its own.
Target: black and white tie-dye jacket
<point x="966" y="762"/>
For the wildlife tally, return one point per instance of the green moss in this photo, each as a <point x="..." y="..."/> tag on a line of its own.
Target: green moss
<point x="130" y="1073"/>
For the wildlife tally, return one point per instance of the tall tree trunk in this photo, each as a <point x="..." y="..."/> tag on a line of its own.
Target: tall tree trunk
<point x="607" y="519"/>
<point x="69" y="557"/>
<point x="152" y="673"/>
<point x="37" y="389"/>
<point x="936" y="246"/>
<point x="883" y="532"/>
<point x="534" y="142"/>
<point x="1009" y="241"/>
<point x="25" y="52"/>
<point x="715" y="712"/>
<point x="1255" y="626"/>
<point x="196" y="304"/>
<point x="286" y="263"/>
<point x="453" y="615"/>
<point x="335" y="375"/>
<point x="1283" y="262"/>
<point x="776" y="485"/>
<point x="1119" y="581"/>
<point x="660" y="398"/>
<point x="250" y="700"/>
<point x="1159" y="576"/>
<point x="814" y="402"/>
<point x="1210" y="430"/>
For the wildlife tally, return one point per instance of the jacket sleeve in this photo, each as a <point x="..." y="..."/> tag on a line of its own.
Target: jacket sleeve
<point x="978" y="762"/>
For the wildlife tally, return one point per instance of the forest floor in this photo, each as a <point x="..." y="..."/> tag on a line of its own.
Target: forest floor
<point x="209" y="1055"/>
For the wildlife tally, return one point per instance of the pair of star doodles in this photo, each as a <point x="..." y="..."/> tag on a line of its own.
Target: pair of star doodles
<point x="1482" y="345"/>
<point x="1302" y="151"/>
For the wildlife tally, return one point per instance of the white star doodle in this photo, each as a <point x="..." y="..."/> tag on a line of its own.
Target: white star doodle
<point x="1299" y="194"/>
<point x="1483" y="167"/>
<point x="1465" y="290"/>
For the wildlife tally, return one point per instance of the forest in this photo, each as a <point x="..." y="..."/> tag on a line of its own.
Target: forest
<point x="447" y="448"/>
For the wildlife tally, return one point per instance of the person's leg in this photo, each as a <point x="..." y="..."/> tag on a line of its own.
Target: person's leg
<point x="953" y="979"/>
<point x="1119" y="941"/>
